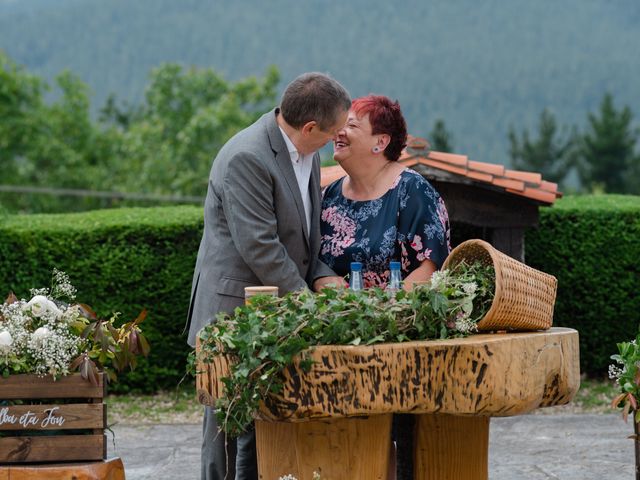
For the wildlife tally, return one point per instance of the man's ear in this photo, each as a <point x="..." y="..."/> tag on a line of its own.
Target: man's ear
<point x="308" y="127"/>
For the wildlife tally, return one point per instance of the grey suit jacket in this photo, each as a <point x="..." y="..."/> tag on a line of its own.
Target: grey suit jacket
<point x="255" y="230"/>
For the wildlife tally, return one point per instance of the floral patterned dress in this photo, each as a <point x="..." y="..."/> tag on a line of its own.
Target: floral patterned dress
<point x="409" y="223"/>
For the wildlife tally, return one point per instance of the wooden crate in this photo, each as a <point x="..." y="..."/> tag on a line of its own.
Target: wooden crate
<point x="43" y="428"/>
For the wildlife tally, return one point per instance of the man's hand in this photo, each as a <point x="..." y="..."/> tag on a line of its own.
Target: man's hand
<point x="332" y="282"/>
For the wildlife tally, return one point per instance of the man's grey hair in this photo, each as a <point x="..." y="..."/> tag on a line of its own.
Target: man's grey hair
<point x="314" y="96"/>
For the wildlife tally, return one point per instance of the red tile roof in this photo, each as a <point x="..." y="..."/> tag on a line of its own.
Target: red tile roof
<point x="524" y="184"/>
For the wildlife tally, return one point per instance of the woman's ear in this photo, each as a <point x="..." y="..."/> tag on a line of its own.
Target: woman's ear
<point x="383" y="141"/>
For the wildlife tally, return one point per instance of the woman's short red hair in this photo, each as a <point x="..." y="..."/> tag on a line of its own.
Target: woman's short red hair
<point x="385" y="116"/>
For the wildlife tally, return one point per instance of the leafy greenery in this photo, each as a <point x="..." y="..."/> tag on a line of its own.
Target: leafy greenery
<point x="43" y="335"/>
<point x="164" y="146"/>
<point x="264" y="336"/>
<point x="590" y="244"/>
<point x="121" y="260"/>
<point x="626" y="372"/>
<point x="134" y="258"/>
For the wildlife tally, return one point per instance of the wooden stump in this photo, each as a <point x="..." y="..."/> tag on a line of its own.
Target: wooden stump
<point x="488" y="374"/>
<point x="454" y="385"/>
<point x="111" y="469"/>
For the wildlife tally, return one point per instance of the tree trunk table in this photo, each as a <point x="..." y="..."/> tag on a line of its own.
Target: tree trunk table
<point x="111" y="469"/>
<point x="336" y="418"/>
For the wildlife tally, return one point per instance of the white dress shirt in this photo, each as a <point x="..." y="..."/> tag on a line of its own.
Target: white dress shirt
<point x="302" y="168"/>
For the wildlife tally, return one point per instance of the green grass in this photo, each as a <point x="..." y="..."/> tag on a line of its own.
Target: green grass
<point x="168" y="407"/>
<point x="596" y="395"/>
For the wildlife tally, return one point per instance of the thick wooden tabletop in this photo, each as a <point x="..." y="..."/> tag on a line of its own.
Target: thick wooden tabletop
<point x="497" y="374"/>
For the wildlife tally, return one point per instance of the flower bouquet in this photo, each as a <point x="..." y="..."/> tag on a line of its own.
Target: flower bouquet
<point x="626" y="373"/>
<point x="48" y="336"/>
<point x="43" y="341"/>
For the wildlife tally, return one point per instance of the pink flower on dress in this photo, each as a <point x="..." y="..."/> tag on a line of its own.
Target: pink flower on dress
<point x="443" y="215"/>
<point x="372" y="279"/>
<point x="416" y="244"/>
<point x="404" y="257"/>
<point x="344" y="230"/>
<point x="422" y="256"/>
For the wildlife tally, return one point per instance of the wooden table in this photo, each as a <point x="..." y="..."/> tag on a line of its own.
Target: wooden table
<point x="336" y="418"/>
<point x="111" y="469"/>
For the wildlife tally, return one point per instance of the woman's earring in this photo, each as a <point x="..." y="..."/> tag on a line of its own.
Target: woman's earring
<point x="375" y="149"/>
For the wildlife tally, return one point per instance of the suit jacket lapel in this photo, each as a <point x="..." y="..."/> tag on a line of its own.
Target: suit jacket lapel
<point x="283" y="160"/>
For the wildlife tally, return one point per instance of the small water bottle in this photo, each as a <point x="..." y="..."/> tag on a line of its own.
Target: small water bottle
<point x="395" y="278"/>
<point x="355" y="277"/>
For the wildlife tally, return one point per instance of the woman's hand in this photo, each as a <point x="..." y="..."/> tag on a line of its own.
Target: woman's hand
<point x="419" y="275"/>
<point x="329" y="282"/>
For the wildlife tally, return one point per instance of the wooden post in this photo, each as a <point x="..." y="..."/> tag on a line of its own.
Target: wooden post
<point x="355" y="447"/>
<point x="450" y="447"/>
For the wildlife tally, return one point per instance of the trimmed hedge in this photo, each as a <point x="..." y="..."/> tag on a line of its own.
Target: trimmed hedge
<point x="592" y="245"/>
<point x="119" y="260"/>
<point x="128" y="259"/>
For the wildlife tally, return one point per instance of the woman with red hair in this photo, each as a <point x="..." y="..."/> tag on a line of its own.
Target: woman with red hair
<point x="381" y="211"/>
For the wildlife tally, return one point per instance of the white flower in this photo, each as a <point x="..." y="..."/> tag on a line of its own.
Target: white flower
<point x="41" y="306"/>
<point x="40" y="334"/>
<point x="71" y="314"/>
<point x="615" y="372"/>
<point x="469" y="288"/>
<point x="6" y="340"/>
<point x="62" y="285"/>
<point x="464" y="324"/>
<point x="438" y="279"/>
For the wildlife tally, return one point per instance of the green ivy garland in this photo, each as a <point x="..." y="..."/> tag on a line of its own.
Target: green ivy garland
<point x="263" y="337"/>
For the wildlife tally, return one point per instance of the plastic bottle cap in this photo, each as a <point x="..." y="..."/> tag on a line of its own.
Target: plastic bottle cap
<point x="356" y="266"/>
<point x="394" y="265"/>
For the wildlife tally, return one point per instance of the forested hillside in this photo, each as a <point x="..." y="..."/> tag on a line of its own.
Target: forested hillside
<point x="480" y="66"/>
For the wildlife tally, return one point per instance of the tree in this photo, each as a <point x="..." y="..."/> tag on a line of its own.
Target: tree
<point x="550" y="154"/>
<point x="440" y="138"/>
<point x="168" y="144"/>
<point x="607" y="154"/>
<point x="163" y="146"/>
<point x="46" y="145"/>
<point x="20" y="107"/>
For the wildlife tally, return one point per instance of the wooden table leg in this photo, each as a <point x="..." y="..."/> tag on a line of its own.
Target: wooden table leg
<point x="111" y="469"/>
<point x="354" y="448"/>
<point x="450" y="447"/>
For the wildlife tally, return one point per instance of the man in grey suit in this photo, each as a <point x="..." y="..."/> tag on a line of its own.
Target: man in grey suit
<point x="262" y="227"/>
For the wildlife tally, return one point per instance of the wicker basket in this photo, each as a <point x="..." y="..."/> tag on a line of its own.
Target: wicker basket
<point x="524" y="297"/>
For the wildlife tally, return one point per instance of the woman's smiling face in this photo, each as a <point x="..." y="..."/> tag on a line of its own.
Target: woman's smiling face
<point x="354" y="139"/>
